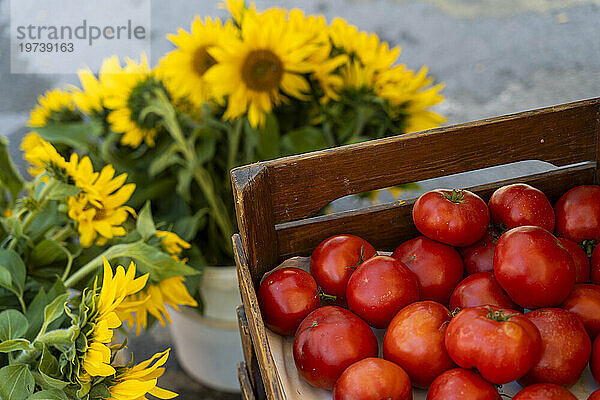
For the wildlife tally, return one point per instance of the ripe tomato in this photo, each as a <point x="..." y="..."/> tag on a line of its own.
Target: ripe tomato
<point x="566" y="347"/>
<point x="461" y="384"/>
<point x="533" y="267"/>
<point x="595" y="266"/>
<point x="415" y="341"/>
<point x="502" y="344"/>
<point x="335" y="259"/>
<point x="521" y="204"/>
<point x="595" y="395"/>
<point x="329" y="340"/>
<point x="438" y="267"/>
<point x="582" y="263"/>
<point x="455" y="217"/>
<point x="578" y="214"/>
<point x="584" y="301"/>
<point x="479" y="257"/>
<point x="480" y="289"/>
<point x="373" y="379"/>
<point x="595" y="360"/>
<point x="544" y="391"/>
<point x="379" y="288"/>
<point x="285" y="297"/>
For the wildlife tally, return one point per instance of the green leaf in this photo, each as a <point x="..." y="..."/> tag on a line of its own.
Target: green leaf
<point x="72" y="134"/>
<point x="11" y="261"/>
<point x="268" y="142"/>
<point x="16" y="382"/>
<point x="57" y="337"/>
<point x="164" y="160"/>
<point x="48" y="363"/>
<point x="53" y="311"/>
<point x="63" y="190"/>
<point x="13" y="324"/>
<point x="51" y="382"/>
<point x="35" y="313"/>
<point x="9" y="175"/>
<point x="303" y="140"/>
<point x="145" y="224"/>
<point x="184" y="180"/>
<point x="205" y="150"/>
<point x="52" y="394"/>
<point x="13" y="345"/>
<point x="187" y="227"/>
<point x="46" y="252"/>
<point x="100" y="391"/>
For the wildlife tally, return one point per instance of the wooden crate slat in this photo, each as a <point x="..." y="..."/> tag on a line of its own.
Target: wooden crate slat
<point x="561" y="135"/>
<point x="245" y="386"/>
<point x="386" y="226"/>
<point x="255" y="323"/>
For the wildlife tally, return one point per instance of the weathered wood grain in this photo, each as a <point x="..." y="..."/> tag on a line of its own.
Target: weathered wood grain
<point x="243" y="377"/>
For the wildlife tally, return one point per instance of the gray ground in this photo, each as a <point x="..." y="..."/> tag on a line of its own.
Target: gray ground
<point x="495" y="57"/>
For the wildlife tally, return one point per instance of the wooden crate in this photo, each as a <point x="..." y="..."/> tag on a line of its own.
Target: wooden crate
<point x="276" y="200"/>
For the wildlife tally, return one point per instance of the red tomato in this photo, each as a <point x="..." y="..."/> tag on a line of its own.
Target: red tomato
<point x="584" y="301"/>
<point x="438" y="267"/>
<point x="373" y="379"/>
<point x="479" y="257"/>
<point x="379" y="288"/>
<point x="335" y="259"/>
<point x="566" y="347"/>
<point x="582" y="263"/>
<point x="595" y="268"/>
<point x="544" y="391"/>
<point x="533" y="267"/>
<point x="285" y="297"/>
<point x="519" y="205"/>
<point x="595" y="395"/>
<point x="595" y="360"/>
<point x="328" y="341"/>
<point x="578" y="214"/>
<point x="415" y="341"/>
<point x="502" y="344"/>
<point x="480" y="289"/>
<point x="455" y="217"/>
<point x="461" y="384"/>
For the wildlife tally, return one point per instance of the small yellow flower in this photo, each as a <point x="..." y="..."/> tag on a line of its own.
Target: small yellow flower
<point x="53" y="106"/>
<point x="183" y="68"/>
<point x="172" y="243"/>
<point x="8" y="213"/>
<point x="115" y="288"/>
<point x="171" y="291"/>
<point x="99" y="208"/>
<point x="135" y="382"/>
<point x="129" y="90"/>
<point x="40" y="154"/>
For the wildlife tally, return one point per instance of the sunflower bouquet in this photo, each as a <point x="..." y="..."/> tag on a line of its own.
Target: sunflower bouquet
<point x="62" y="294"/>
<point x="256" y="86"/>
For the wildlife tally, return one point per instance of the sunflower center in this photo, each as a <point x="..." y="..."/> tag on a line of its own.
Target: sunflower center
<point x="202" y="61"/>
<point x="100" y="214"/>
<point x="139" y="98"/>
<point x="262" y="70"/>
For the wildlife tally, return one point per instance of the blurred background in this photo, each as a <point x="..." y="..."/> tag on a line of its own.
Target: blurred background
<point x="495" y="57"/>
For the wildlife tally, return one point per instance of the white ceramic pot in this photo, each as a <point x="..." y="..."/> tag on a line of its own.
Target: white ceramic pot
<point x="208" y="346"/>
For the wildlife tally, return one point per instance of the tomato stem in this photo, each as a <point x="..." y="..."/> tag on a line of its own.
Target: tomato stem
<point x="588" y="246"/>
<point x="499" y="315"/>
<point x="324" y="296"/>
<point x="456" y="196"/>
<point x="360" y="260"/>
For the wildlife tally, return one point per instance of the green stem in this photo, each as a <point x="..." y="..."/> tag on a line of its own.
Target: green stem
<point x="23" y="306"/>
<point x="42" y="200"/>
<point x="234" y="144"/>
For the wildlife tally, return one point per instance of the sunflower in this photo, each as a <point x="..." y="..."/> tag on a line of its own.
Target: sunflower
<point x="172" y="243"/>
<point x="54" y="106"/>
<point x="411" y="94"/>
<point x="171" y="291"/>
<point x="237" y="9"/>
<point x="129" y="91"/>
<point x="184" y="67"/>
<point x="133" y="383"/>
<point x="99" y="208"/>
<point x="365" y="47"/>
<point x="41" y="155"/>
<point x="115" y="288"/>
<point x="91" y="97"/>
<point x="262" y="67"/>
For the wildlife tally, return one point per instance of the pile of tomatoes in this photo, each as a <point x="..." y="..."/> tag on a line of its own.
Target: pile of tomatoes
<point x="489" y="294"/>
